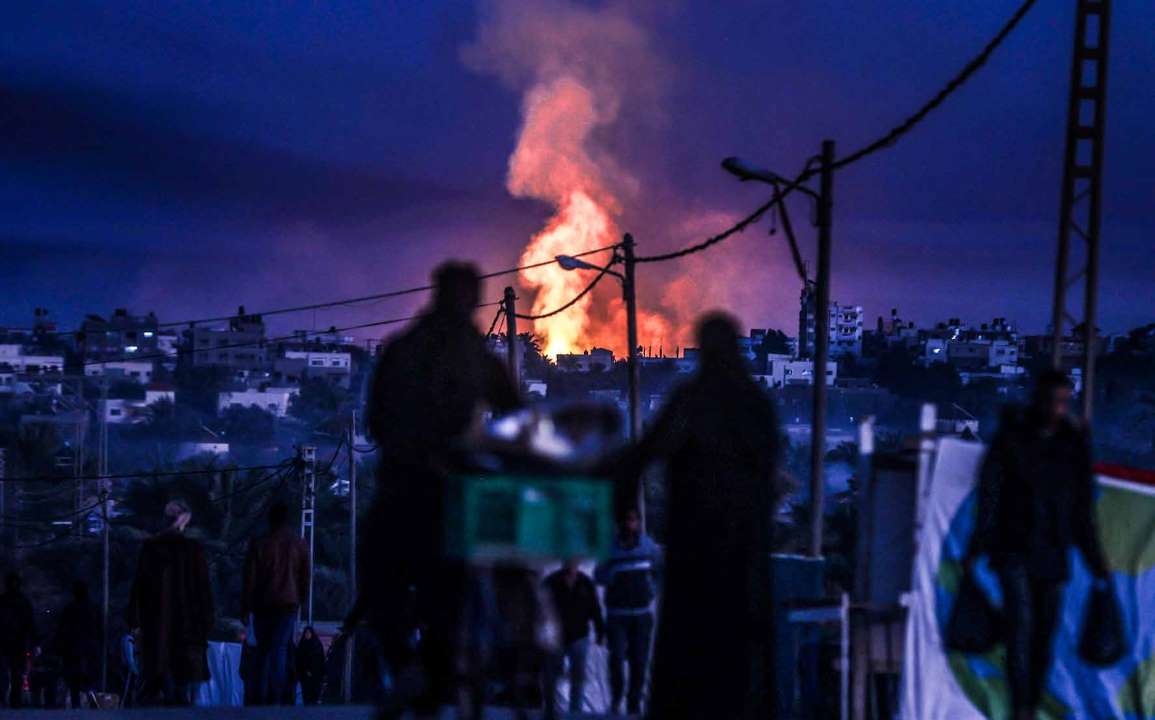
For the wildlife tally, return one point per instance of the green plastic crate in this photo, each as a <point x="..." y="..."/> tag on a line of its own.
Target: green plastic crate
<point x="527" y="517"/>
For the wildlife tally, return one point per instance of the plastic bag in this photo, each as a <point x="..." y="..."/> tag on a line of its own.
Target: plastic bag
<point x="1103" y="641"/>
<point x="975" y="625"/>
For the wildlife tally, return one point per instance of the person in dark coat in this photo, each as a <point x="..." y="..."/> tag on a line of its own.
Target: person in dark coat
<point x="430" y="387"/>
<point x="171" y="603"/>
<point x="1036" y="501"/>
<point x="575" y="600"/>
<point x="78" y="641"/>
<point x="17" y="635"/>
<point x="276" y="583"/>
<point x="719" y="436"/>
<point x="310" y="665"/>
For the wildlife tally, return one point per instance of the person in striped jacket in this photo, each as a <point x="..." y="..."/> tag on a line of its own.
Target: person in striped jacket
<point x="630" y="580"/>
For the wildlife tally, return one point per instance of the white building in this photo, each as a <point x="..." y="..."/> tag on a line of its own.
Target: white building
<point x="28" y="363"/>
<point x="139" y="371"/>
<point x="159" y="392"/>
<point x="845" y="331"/>
<point x="321" y="360"/>
<point x="782" y="370"/>
<point x="118" y="411"/>
<point x="275" y="399"/>
<point x="590" y="360"/>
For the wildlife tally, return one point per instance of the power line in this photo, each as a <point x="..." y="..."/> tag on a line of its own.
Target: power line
<point x="349" y="301"/>
<point x="574" y="300"/>
<point x="144" y="473"/>
<point x="955" y="83"/>
<point x="886" y="140"/>
<point x="275" y="475"/>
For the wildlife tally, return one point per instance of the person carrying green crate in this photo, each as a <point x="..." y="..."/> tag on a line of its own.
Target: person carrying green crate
<point x="430" y="388"/>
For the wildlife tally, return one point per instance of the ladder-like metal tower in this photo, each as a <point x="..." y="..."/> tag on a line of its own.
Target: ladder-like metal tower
<point x="308" y="470"/>
<point x="1081" y="202"/>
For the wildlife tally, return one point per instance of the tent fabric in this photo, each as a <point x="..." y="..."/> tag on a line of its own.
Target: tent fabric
<point x="224" y="687"/>
<point x="941" y="685"/>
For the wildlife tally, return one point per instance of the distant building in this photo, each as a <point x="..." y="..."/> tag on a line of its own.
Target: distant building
<point x="782" y="371"/>
<point x="139" y="371"/>
<point x="334" y="365"/>
<point x="845" y="330"/>
<point x="118" y="411"/>
<point x="206" y="443"/>
<point x="240" y="346"/>
<point x="121" y="335"/>
<point x="23" y="360"/>
<point x="159" y="392"/>
<point x="275" y="400"/>
<point x="597" y="359"/>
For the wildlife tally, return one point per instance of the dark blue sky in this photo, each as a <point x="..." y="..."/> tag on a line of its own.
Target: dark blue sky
<point x="188" y="157"/>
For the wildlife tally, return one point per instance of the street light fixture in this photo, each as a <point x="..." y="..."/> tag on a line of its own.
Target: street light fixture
<point x="569" y="262"/>
<point x="626" y="257"/>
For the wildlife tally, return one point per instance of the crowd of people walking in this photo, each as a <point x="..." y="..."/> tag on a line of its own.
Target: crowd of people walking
<point x="699" y="608"/>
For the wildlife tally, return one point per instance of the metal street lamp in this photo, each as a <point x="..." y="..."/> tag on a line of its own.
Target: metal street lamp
<point x="626" y="257"/>
<point x="824" y="201"/>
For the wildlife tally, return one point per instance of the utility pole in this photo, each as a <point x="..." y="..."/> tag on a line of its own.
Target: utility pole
<point x="347" y="684"/>
<point x="351" y="458"/>
<point x="308" y="507"/>
<point x="1080" y="202"/>
<point x="821" y="348"/>
<point x="3" y="497"/>
<point x="509" y="306"/>
<point x="106" y="578"/>
<point x="629" y="294"/>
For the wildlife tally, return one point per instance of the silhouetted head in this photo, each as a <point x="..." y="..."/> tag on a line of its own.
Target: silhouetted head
<point x="308" y="633"/>
<point x="1051" y="399"/>
<point x="177" y="515"/>
<point x="718" y="340"/>
<point x="630" y="526"/>
<point x="80" y="591"/>
<point x="12" y="582"/>
<point x="278" y="514"/>
<point x="457" y="288"/>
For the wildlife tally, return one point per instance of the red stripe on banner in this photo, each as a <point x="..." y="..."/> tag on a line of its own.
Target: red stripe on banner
<point x="1122" y="472"/>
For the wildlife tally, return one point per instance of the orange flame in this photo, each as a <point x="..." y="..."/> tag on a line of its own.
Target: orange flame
<point x="551" y="163"/>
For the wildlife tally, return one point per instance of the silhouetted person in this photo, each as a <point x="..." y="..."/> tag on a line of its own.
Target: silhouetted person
<point x="629" y="576"/>
<point x="430" y="387"/>
<point x="78" y="641"/>
<point x="171" y="603"/>
<point x="310" y="666"/>
<point x="17" y="635"/>
<point x="276" y="584"/>
<point x="1036" y="501"/>
<point x="719" y="438"/>
<point x="575" y="600"/>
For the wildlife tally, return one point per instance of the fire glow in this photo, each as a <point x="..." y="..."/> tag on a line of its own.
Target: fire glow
<point x="569" y="61"/>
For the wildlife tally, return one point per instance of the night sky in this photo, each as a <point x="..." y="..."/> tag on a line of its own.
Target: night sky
<point x="190" y="157"/>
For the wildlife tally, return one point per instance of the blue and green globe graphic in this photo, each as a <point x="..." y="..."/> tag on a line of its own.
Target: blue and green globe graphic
<point x="1126" y="519"/>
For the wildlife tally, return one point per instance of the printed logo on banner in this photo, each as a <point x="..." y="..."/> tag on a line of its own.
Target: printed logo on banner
<point x="1126" y="516"/>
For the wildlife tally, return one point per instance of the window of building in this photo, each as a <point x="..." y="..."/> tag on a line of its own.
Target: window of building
<point x="114" y="412"/>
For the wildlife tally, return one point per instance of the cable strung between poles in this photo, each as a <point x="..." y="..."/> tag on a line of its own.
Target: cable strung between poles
<point x="573" y="301"/>
<point x="887" y="140"/>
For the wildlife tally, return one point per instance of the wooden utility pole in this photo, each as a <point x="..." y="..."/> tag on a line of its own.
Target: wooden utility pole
<point x="509" y="306"/>
<point x="821" y="348"/>
<point x="308" y="514"/>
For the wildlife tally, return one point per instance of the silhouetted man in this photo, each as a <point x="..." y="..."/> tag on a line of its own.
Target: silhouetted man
<point x="172" y="605"/>
<point x="431" y="385"/>
<point x="17" y="634"/>
<point x="575" y="599"/>
<point x="629" y="576"/>
<point x="1036" y="501"/>
<point x="78" y="640"/>
<point x="276" y="583"/>
<point x="719" y="438"/>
